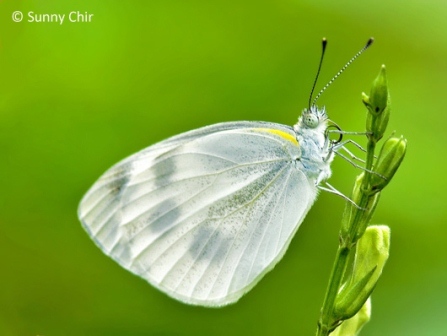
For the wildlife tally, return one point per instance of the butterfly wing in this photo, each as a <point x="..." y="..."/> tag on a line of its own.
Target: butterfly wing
<point x="204" y="215"/>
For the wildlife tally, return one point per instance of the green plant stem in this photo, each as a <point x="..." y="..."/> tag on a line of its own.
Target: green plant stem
<point x="340" y="264"/>
<point x="327" y="323"/>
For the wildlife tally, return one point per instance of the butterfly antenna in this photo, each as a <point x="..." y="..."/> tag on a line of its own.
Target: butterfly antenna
<point x="370" y="41"/>
<point x="323" y="43"/>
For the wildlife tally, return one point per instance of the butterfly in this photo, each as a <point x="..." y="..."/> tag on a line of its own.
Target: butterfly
<point x="204" y="215"/>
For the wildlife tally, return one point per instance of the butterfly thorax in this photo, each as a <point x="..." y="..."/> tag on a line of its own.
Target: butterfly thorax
<point x="316" y="153"/>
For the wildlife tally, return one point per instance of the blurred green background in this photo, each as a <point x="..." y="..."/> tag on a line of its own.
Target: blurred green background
<point x="77" y="97"/>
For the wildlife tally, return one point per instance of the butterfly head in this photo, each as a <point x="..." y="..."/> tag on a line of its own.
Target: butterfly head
<point x="313" y="118"/>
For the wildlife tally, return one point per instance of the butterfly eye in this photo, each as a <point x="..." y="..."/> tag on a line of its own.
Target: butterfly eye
<point x="311" y="120"/>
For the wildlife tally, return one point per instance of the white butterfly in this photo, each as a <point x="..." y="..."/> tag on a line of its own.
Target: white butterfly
<point x="204" y="215"/>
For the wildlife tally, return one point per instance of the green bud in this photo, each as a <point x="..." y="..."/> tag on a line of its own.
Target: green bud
<point x="352" y="326"/>
<point x="378" y="105"/>
<point x="390" y="157"/>
<point x="376" y="125"/>
<point x="351" y="211"/>
<point x="378" y="100"/>
<point x="372" y="252"/>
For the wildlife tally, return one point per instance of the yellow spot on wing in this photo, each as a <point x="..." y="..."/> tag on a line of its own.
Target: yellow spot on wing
<point x="282" y="134"/>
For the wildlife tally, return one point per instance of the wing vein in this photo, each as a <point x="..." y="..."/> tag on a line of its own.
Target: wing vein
<point x="238" y="165"/>
<point x="189" y="230"/>
<point x="251" y="202"/>
<point x="267" y="225"/>
<point x="172" y="183"/>
<point x="246" y="246"/>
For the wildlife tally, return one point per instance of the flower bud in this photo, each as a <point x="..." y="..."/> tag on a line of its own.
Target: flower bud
<point x="371" y="255"/>
<point x="378" y="98"/>
<point x="351" y="211"/>
<point x="378" y="105"/>
<point x="390" y="157"/>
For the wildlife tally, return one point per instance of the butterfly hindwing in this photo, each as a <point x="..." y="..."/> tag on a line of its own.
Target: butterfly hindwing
<point x="204" y="215"/>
